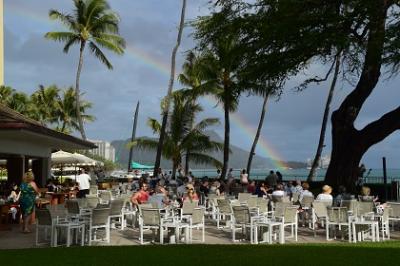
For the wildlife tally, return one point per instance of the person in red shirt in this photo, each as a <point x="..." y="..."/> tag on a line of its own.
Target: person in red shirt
<point x="191" y="194"/>
<point x="142" y="196"/>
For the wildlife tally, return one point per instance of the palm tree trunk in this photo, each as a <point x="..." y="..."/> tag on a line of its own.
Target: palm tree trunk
<point x="257" y="136"/>
<point x="170" y="86"/>
<point x="187" y="162"/>
<point x="311" y="175"/>
<point x="226" y="142"/>
<point x="77" y="91"/>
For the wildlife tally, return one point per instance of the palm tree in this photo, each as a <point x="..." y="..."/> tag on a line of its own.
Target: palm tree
<point x="92" y="24"/>
<point x="181" y="137"/>
<point x="317" y="157"/>
<point x="5" y="94"/>
<point x="44" y="101"/>
<point x="66" y="112"/>
<point x="20" y="102"/>
<point x="257" y="136"/>
<point x="220" y="63"/>
<point x="166" y="105"/>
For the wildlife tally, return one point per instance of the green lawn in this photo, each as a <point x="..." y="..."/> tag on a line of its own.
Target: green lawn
<point x="387" y="253"/>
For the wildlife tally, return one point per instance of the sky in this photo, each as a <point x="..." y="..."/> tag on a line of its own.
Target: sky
<point x="292" y="123"/>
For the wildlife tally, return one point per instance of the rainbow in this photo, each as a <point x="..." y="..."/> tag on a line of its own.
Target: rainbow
<point x="148" y="60"/>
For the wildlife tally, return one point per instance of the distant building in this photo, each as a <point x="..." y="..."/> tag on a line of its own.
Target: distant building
<point x="104" y="149"/>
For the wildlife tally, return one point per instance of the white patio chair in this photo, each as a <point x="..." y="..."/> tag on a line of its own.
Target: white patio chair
<point x="338" y="217"/>
<point x="45" y="223"/>
<point x="99" y="220"/>
<point x="243" y="197"/>
<point x="150" y="220"/>
<point x="241" y="219"/>
<point x="197" y="222"/>
<point x="319" y="214"/>
<point x="223" y="210"/>
<point x="394" y="212"/>
<point x="116" y="212"/>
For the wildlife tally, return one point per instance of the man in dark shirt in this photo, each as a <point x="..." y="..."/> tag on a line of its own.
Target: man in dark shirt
<point x="204" y="188"/>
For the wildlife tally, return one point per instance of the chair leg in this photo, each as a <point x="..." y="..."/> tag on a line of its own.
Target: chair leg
<point x="161" y="231"/>
<point x="141" y="234"/>
<point x="203" y="234"/>
<point x="295" y="232"/>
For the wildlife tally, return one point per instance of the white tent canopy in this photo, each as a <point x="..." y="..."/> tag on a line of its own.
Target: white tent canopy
<point x="63" y="157"/>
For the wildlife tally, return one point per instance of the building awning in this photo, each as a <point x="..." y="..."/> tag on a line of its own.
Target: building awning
<point x="21" y="135"/>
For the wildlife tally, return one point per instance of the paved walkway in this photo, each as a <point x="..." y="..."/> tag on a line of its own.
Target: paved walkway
<point x="14" y="239"/>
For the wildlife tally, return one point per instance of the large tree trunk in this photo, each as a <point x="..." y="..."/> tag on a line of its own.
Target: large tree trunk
<point x="257" y="136"/>
<point x="170" y="86"/>
<point x="311" y="175"/>
<point x="174" y="166"/>
<point x="187" y="162"/>
<point x="348" y="143"/>
<point x="226" y="142"/>
<point x="77" y="91"/>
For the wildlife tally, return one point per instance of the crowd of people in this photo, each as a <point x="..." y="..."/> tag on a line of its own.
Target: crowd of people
<point x="188" y="188"/>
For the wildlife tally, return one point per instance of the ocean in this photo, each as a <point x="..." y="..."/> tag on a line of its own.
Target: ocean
<point x="371" y="176"/>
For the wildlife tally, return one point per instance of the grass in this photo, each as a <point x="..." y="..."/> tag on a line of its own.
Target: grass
<point x="387" y="253"/>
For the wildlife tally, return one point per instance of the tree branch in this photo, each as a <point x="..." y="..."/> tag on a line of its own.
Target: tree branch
<point x="351" y="106"/>
<point x="379" y="129"/>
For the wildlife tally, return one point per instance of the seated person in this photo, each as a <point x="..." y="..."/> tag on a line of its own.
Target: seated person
<point x="160" y="197"/>
<point x="14" y="194"/>
<point x="326" y="195"/>
<point x="279" y="191"/>
<point x="181" y="190"/>
<point x="142" y="196"/>
<point x="366" y="195"/>
<point x="262" y="190"/>
<point x="343" y="195"/>
<point x="251" y="188"/>
<point x="305" y="191"/>
<point x="204" y="188"/>
<point x="191" y="195"/>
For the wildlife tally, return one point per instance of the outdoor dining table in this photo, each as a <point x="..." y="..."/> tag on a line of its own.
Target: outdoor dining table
<point x="57" y="197"/>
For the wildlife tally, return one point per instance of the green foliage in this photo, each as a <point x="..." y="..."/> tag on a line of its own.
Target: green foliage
<point x="182" y="137"/>
<point x="93" y="23"/>
<point x="51" y="106"/>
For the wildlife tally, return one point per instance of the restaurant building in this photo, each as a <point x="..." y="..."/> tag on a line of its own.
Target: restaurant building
<point x="26" y="143"/>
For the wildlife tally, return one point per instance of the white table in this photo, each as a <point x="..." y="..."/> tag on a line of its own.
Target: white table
<point x="69" y="227"/>
<point x="373" y="225"/>
<point x="270" y="226"/>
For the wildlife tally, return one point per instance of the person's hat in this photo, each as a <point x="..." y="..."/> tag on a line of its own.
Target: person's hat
<point x="190" y="186"/>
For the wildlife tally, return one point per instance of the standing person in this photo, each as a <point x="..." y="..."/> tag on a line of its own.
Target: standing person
<point x="142" y="196"/>
<point x="230" y="174"/>
<point x="244" y="178"/>
<point x="29" y="190"/>
<point x="83" y="180"/>
<point x="218" y="173"/>
<point x="280" y="177"/>
<point x="272" y="179"/>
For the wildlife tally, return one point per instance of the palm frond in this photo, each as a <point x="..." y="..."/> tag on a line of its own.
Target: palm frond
<point x="144" y="143"/>
<point x="200" y="158"/>
<point x="66" y="19"/>
<point x="110" y="44"/>
<point x="154" y="125"/>
<point x="100" y="55"/>
<point x="61" y="36"/>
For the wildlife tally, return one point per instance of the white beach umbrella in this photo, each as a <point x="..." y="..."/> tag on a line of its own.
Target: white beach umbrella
<point x="63" y="157"/>
<point x="84" y="159"/>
